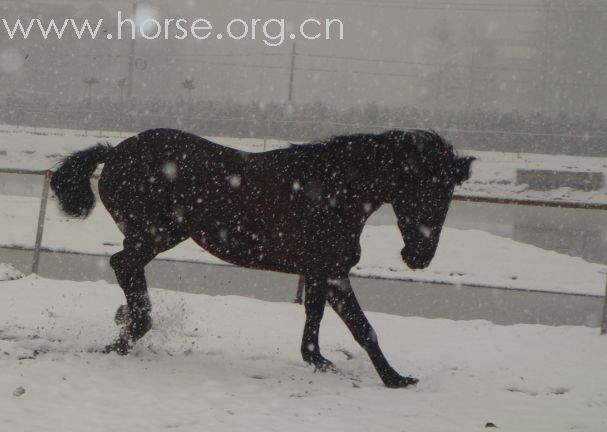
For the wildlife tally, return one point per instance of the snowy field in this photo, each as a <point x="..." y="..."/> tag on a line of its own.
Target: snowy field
<point x="233" y="364"/>
<point x="494" y="173"/>
<point x="468" y="257"/>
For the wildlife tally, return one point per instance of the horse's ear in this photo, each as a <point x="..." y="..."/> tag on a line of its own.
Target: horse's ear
<point x="461" y="169"/>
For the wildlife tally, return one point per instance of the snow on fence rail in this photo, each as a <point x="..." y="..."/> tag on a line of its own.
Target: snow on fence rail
<point x="457" y="197"/>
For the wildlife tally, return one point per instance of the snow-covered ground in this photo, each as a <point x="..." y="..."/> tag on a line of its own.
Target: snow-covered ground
<point x="469" y="257"/>
<point x="494" y="173"/>
<point x="233" y="364"/>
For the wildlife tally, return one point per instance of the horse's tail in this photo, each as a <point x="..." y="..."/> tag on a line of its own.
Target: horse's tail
<point x="72" y="181"/>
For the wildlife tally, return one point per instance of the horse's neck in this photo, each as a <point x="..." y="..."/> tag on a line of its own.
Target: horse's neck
<point x="362" y="186"/>
<point x="358" y="174"/>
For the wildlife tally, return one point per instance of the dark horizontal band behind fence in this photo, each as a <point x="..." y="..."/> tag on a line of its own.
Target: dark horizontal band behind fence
<point x="530" y="202"/>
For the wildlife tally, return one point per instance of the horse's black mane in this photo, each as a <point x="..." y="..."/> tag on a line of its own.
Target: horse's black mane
<point x="432" y="151"/>
<point x="426" y="141"/>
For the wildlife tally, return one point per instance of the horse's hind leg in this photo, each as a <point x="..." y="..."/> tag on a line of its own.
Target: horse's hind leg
<point x="315" y="299"/>
<point x="128" y="266"/>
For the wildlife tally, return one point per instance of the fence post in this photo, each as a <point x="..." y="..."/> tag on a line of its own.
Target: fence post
<point x="41" y="217"/>
<point x="301" y="284"/>
<point x="604" y="321"/>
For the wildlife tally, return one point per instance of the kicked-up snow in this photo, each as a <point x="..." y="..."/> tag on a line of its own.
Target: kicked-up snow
<point x="233" y="364"/>
<point x="8" y="272"/>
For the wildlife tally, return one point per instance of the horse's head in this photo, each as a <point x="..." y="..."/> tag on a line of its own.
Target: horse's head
<point x="423" y="171"/>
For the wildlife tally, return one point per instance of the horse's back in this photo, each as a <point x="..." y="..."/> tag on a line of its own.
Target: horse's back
<point x="165" y="144"/>
<point x="155" y="148"/>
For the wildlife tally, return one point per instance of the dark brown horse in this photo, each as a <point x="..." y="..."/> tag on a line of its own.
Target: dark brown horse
<point x="297" y="210"/>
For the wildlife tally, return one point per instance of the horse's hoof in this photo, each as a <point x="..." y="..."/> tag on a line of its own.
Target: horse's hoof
<point x="321" y="364"/>
<point x="132" y="330"/>
<point x="136" y="325"/>
<point x="401" y="382"/>
<point x="122" y="315"/>
<point x="325" y="367"/>
<point x="121" y="346"/>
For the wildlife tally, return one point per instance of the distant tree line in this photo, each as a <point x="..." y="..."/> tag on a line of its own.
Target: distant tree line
<point x="467" y="129"/>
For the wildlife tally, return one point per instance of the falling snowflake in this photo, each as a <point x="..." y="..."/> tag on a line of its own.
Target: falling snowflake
<point x="169" y="169"/>
<point x="235" y="181"/>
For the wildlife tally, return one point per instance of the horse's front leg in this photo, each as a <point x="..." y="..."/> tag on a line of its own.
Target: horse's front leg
<point x="315" y="299"/>
<point x="342" y="299"/>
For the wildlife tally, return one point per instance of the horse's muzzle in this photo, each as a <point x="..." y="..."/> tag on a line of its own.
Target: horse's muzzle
<point x="415" y="262"/>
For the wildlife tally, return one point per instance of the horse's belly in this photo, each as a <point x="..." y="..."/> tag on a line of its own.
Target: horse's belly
<point x="252" y="250"/>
